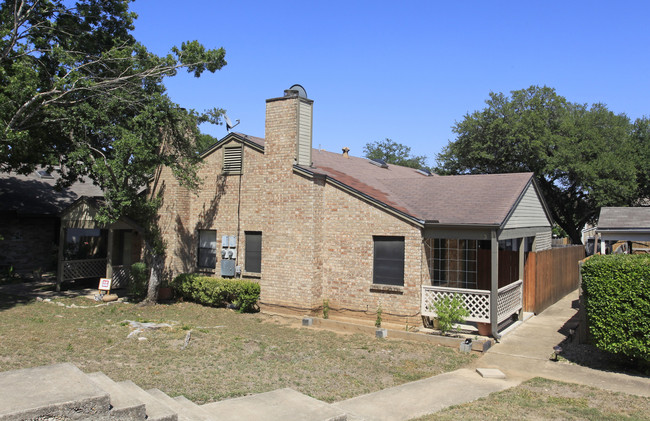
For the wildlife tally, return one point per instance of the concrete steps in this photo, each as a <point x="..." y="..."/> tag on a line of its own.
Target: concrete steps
<point x="124" y="406"/>
<point x="62" y="391"/>
<point x="281" y="404"/>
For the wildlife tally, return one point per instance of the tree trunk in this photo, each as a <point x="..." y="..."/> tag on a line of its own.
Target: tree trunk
<point x="155" y="279"/>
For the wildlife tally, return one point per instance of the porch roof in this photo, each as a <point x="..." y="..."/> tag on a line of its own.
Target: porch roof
<point x="618" y="223"/>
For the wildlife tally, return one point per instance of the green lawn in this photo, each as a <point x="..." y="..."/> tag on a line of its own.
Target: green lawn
<point x="542" y="399"/>
<point x="229" y="354"/>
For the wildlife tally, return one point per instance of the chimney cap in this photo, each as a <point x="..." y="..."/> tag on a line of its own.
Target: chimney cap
<point x="345" y="152"/>
<point x="296" y="90"/>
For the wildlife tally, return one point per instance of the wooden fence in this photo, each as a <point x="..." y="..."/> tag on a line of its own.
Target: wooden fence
<point x="549" y="275"/>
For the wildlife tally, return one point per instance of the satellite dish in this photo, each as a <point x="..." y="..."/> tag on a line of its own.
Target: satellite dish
<point x="301" y="91"/>
<point x="229" y="124"/>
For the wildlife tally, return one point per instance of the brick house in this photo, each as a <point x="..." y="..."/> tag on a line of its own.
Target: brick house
<point x="312" y="225"/>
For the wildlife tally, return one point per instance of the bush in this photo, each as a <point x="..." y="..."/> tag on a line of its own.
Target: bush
<point x="616" y="291"/>
<point x="450" y="310"/>
<point x="238" y="293"/>
<point x="138" y="283"/>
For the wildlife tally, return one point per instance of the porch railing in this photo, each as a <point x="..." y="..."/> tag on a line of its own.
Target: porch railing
<point x="87" y="268"/>
<point x="477" y="301"/>
<point x="121" y="276"/>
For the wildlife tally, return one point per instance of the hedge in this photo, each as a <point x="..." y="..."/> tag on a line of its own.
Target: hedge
<point x="616" y="289"/>
<point x="241" y="294"/>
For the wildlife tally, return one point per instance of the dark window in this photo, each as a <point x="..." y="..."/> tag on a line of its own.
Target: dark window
<point x="253" y="262"/>
<point x="207" y="249"/>
<point x="388" y="267"/>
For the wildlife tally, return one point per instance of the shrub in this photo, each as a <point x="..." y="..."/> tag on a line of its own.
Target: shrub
<point x="450" y="310"/>
<point x="616" y="291"/>
<point x="378" y="318"/>
<point x="238" y="293"/>
<point x="138" y="283"/>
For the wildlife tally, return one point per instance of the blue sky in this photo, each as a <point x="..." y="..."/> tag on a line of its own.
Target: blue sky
<point x="402" y="70"/>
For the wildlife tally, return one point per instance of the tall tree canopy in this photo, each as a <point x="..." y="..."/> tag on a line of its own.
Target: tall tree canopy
<point x="583" y="157"/>
<point x="392" y="152"/>
<point x="78" y="92"/>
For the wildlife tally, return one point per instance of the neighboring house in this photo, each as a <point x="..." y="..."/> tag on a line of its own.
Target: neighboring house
<point x="30" y="212"/>
<point x="631" y="225"/>
<point x="44" y="229"/>
<point x="314" y="225"/>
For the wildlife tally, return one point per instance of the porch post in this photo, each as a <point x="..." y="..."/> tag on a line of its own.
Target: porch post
<point x="109" y="254"/>
<point x="522" y="268"/>
<point x="59" y="263"/>
<point x="494" y="285"/>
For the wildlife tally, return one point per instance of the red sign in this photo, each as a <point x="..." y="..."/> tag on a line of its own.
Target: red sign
<point x="105" y="284"/>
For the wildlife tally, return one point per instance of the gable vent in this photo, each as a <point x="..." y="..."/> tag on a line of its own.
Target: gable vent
<point x="232" y="160"/>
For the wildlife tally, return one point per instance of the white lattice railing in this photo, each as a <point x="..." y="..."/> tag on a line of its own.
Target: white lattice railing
<point x="121" y="276"/>
<point x="477" y="301"/>
<point x="510" y="300"/>
<point x="88" y="268"/>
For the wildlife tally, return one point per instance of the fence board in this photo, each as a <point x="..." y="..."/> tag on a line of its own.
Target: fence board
<point x="549" y="275"/>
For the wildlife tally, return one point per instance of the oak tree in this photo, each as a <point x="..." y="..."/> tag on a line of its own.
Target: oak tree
<point x="80" y="95"/>
<point x="582" y="156"/>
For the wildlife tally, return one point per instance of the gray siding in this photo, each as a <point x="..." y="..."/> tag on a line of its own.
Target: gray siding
<point x="529" y="212"/>
<point x="543" y="240"/>
<point x="304" y="133"/>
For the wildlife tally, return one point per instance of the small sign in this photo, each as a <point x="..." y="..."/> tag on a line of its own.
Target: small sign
<point x="105" y="284"/>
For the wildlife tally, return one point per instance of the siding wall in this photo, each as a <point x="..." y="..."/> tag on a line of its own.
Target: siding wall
<point x="544" y="240"/>
<point x="305" y="111"/>
<point x="529" y="212"/>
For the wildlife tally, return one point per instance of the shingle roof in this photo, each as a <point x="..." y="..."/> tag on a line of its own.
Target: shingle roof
<point x="33" y="195"/>
<point x="624" y="218"/>
<point x="450" y="200"/>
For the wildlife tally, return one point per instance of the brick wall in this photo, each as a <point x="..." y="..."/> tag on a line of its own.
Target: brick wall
<point x="28" y="243"/>
<point x="317" y="240"/>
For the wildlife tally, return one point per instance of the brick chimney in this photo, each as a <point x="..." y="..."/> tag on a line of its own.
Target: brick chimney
<point x="345" y="152"/>
<point x="288" y="137"/>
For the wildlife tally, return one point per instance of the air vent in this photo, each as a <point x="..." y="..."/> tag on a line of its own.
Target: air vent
<point x="232" y="160"/>
<point x="44" y="174"/>
<point x="379" y="162"/>
<point x="424" y="171"/>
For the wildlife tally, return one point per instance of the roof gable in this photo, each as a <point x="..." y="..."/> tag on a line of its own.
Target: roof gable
<point x="529" y="211"/>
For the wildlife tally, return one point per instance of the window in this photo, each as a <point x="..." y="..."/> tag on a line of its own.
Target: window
<point x="232" y="159"/>
<point x="388" y="266"/>
<point x="253" y="262"/>
<point x="207" y="254"/>
<point x="454" y="263"/>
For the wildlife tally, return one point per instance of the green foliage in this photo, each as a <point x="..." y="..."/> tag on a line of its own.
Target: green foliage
<point x="218" y="292"/>
<point x="583" y="157"/>
<point x="616" y="290"/>
<point x="77" y="90"/>
<point x="450" y="310"/>
<point x="138" y="286"/>
<point x="326" y="309"/>
<point x="394" y="153"/>
<point x="378" y="319"/>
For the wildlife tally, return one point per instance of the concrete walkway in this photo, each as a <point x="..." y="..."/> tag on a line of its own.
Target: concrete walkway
<point x="526" y="353"/>
<point x="522" y="354"/>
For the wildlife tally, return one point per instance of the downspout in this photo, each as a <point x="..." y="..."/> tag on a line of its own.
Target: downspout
<point x="494" y="285"/>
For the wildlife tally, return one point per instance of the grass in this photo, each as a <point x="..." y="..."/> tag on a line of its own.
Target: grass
<point x="542" y="399"/>
<point x="228" y="355"/>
